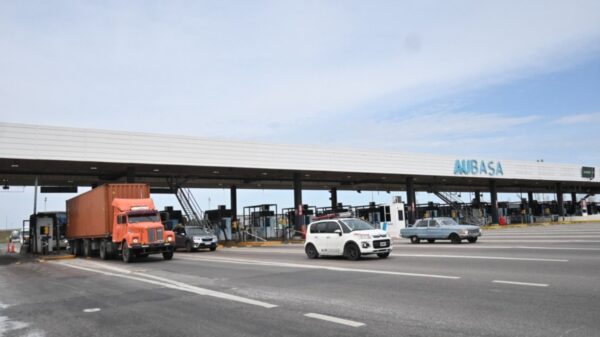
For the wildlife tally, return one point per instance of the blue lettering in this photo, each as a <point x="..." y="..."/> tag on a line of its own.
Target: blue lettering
<point x="491" y="168"/>
<point x="482" y="168"/>
<point x="499" y="170"/>
<point x="457" y="167"/>
<point x="473" y="167"/>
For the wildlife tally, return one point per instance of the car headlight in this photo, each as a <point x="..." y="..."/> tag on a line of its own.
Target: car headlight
<point x="169" y="238"/>
<point x="363" y="236"/>
<point x="135" y="240"/>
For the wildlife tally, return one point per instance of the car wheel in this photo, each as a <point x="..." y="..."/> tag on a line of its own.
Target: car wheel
<point x="311" y="251"/>
<point x="414" y="239"/>
<point x="383" y="255"/>
<point x="472" y="240"/>
<point x="212" y="249"/>
<point x="455" y="239"/>
<point x="431" y="240"/>
<point x="167" y="255"/>
<point x="103" y="253"/>
<point x="352" y="252"/>
<point x="126" y="253"/>
<point x="189" y="247"/>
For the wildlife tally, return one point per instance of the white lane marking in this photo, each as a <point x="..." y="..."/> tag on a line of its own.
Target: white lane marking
<point x="498" y="237"/>
<point x="482" y="257"/>
<point x="91" y="310"/>
<point x="175" y="285"/>
<point x="540" y="241"/>
<point x="522" y="283"/>
<point x="496" y="247"/>
<point x="353" y="324"/>
<point x="307" y="266"/>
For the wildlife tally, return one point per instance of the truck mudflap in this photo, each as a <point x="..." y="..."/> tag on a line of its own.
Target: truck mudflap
<point x="152" y="248"/>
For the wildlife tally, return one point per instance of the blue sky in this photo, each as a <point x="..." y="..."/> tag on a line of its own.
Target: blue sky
<point x="504" y="79"/>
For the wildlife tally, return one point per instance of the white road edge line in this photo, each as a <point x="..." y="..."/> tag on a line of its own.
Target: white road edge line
<point x="177" y="286"/>
<point x="353" y="324"/>
<point x="522" y="283"/>
<point x="306" y="266"/>
<point x="481" y="257"/>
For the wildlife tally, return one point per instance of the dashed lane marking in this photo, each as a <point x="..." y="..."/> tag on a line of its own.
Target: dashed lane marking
<point x="337" y="320"/>
<point x="521" y="283"/>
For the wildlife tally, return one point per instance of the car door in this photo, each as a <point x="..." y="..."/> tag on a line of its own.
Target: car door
<point x="180" y="237"/>
<point x="317" y="237"/>
<point x="434" y="230"/>
<point x="334" y="241"/>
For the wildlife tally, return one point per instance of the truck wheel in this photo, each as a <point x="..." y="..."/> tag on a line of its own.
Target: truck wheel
<point x="103" y="253"/>
<point x="431" y="240"/>
<point x="167" y="255"/>
<point x="87" y="248"/>
<point x="77" y="247"/>
<point x="472" y="240"/>
<point x="414" y="239"/>
<point x="126" y="253"/>
<point x="455" y="239"/>
<point x="352" y="251"/>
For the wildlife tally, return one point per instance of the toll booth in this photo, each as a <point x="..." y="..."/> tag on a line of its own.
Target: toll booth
<point x="397" y="219"/>
<point x="47" y="232"/>
<point x="288" y="217"/>
<point x="221" y="218"/>
<point x="340" y="208"/>
<point x="170" y="218"/>
<point x="260" y="222"/>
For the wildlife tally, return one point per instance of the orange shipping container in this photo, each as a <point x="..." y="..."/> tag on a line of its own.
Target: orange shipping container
<point x="90" y="215"/>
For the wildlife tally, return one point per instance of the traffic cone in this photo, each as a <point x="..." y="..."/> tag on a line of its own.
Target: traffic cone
<point x="11" y="248"/>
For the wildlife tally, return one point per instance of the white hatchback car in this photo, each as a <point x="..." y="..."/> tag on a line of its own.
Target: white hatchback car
<point x="350" y="237"/>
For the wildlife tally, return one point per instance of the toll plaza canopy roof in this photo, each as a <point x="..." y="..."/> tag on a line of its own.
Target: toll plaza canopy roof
<point x="61" y="156"/>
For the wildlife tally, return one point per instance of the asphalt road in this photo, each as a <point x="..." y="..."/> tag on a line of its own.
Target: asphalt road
<point x="538" y="281"/>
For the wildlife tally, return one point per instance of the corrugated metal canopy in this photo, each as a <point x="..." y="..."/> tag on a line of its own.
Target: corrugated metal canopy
<point x="62" y="156"/>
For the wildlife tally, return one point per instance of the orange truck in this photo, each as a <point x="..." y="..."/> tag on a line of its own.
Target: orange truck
<point x="117" y="220"/>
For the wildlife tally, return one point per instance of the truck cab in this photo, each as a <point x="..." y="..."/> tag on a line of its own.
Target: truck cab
<point x="138" y="229"/>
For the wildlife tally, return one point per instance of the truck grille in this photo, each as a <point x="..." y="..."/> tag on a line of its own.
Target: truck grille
<point x="378" y="243"/>
<point x="155" y="235"/>
<point x="151" y="235"/>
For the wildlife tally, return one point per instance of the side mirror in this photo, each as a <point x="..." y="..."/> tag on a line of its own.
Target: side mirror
<point x="339" y="231"/>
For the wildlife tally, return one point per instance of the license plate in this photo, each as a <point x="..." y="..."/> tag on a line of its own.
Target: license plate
<point x="383" y="244"/>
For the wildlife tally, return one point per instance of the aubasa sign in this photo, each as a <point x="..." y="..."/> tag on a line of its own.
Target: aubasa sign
<point x="477" y="167"/>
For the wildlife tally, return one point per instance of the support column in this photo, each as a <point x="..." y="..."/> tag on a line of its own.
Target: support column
<point x="411" y="200"/>
<point x="494" y="201"/>
<point x="530" y="202"/>
<point x="573" y="203"/>
<point x="233" y="202"/>
<point x="299" y="220"/>
<point x="478" y="198"/>
<point x="130" y="174"/>
<point x="333" y="199"/>
<point x="560" y="200"/>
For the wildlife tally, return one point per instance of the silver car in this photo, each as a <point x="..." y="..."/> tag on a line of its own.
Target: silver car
<point x="440" y="229"/>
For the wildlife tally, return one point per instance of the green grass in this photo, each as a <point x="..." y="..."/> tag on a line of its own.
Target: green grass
<point x="4" y="235"/>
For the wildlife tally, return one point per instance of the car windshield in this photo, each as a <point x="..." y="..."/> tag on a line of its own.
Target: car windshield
<point x="448" y="222"/>
<point x="357" y="224"/>
<point x="196" y="231"/>
<point x="143" y="217"/>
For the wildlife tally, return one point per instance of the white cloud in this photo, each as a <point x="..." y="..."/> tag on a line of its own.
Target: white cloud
<point x="578" y="118"/>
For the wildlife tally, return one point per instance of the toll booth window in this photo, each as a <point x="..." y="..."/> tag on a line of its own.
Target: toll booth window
<point x="400" y="216"/>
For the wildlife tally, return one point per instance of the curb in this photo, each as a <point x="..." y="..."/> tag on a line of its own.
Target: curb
<point x="57" y="257"/>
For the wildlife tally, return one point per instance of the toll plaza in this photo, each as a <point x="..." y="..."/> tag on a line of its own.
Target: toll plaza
<point x="60" y="159"/>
